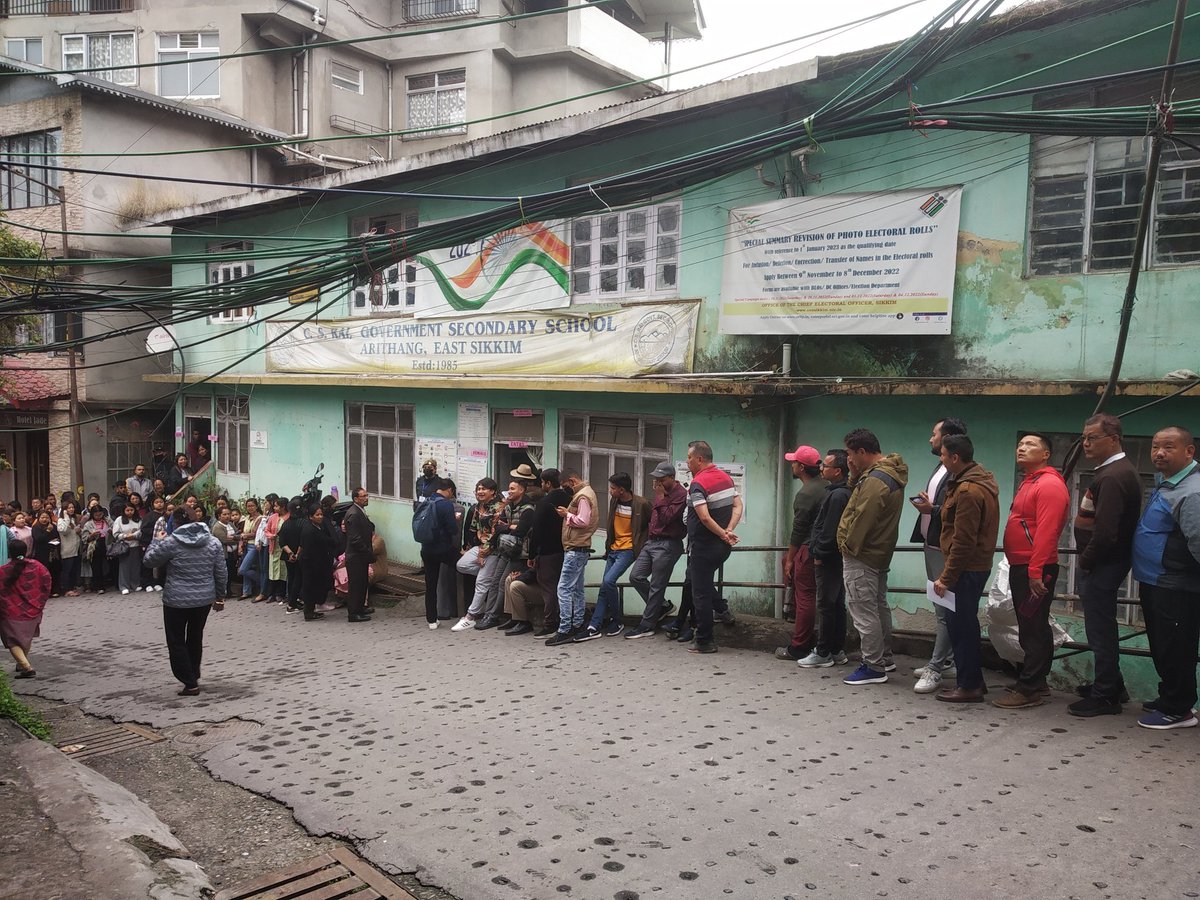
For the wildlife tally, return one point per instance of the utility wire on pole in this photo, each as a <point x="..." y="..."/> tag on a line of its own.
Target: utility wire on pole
<point x="72" y="375"/>
<point x="1143" y="225"/>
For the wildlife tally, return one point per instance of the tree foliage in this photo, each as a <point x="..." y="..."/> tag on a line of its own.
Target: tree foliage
<point x="12" y="246"/>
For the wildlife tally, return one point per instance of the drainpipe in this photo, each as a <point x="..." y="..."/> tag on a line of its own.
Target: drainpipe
<point x="318" y="17"/>
<point x="780" y="503"/>
<point x="391" y="137"/>
<point x="785" y="368"/>
<point x="329" y="157"/>
<point x="300" y="73"/>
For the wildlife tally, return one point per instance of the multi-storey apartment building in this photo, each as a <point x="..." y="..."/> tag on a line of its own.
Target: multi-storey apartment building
<point x="335" y="77"/>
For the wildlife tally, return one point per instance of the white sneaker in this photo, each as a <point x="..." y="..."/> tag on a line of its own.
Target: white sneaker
<point x="433" y="626"/>
<point x="929" y="682"/>
<point x="124" y="590"/>
<point x="158" y="588"/>
<point x="463" y="624"/>
<point x="946" y="671"/>
<point x="137" y="590"/>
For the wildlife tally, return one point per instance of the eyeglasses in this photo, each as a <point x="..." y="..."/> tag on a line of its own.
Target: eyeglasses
<point x="1092" y="438"/>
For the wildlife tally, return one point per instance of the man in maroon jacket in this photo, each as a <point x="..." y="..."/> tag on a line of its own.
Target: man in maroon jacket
<point x="664" y="545"/>
<point x="1035" y="521"/>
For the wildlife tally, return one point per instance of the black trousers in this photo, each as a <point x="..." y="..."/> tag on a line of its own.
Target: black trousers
<point x="704" y="560"/>
<point x="1099" y="596"/>
<point x="1033" y="627"/>
<point x="1173" y="643"/>
<point x="356" y="583"/>
<point x="831" y="607"/>
<point x="963" y="624"/>
<point x="433" y="563"/>
<point x="184" y="628"/>
<point x="294" y="582"/>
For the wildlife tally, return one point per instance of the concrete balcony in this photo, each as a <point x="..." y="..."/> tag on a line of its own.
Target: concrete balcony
<point x="589" y="32"/>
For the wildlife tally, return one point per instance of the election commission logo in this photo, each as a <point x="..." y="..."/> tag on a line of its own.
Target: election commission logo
<point x="653" y="338"/>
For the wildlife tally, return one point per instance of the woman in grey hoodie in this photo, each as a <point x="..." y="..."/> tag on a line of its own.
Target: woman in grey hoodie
<point x="195" y="576"/>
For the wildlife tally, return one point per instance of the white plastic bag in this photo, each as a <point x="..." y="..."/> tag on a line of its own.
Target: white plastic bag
<point x="1001" y="619"/>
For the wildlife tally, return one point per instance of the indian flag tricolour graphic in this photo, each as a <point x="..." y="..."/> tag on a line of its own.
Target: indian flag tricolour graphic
<point x="519" y="269"/>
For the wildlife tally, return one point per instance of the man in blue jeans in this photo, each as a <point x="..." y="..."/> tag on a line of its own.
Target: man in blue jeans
<point x="580" y="519"/>
<point x="714" y="510"/>
<point x="628" y="524"/>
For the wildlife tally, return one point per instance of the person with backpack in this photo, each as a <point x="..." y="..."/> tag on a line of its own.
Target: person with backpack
<point x="435" y="528"/>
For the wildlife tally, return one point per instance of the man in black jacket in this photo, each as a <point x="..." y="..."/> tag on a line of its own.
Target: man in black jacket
<point x="546" y="548"/>
<point x="1104" y="527"/>
<point x="927" y="531"/>
<point x="827" y="565"/>
<point x="359" y="532"/>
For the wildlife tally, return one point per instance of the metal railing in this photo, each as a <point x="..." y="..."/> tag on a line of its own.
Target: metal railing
<point x="1072" y="648"/>
<point x="63" y="7"/>
<point x="423" y="10"/>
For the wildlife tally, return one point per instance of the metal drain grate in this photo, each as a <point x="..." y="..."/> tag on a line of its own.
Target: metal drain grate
<point x="338" y="873"/>
<point x="109" y="740"/>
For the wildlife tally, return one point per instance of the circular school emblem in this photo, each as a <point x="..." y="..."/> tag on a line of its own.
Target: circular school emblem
<point x="653" y="338"/>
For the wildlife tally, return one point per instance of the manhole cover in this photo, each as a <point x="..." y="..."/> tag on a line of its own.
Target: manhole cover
<point x="338" y="873"/>
<point x="109" y="740"/>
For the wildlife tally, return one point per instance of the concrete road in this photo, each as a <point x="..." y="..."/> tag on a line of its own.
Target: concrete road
<point x="496" y="767"/>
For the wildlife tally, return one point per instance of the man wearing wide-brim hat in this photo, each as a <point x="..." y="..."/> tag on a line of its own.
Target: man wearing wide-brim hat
<point x="524" y="472"/>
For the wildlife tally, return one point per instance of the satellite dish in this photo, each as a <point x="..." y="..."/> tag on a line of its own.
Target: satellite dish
<point x="161" y="339"/>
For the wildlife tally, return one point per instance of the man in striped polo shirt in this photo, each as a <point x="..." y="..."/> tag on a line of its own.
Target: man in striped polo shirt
<point x="714" y="511"/>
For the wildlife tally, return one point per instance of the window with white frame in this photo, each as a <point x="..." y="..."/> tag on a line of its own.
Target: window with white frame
<point x="222" y="273"/>
<point x="598" y="445"/>
<point x="630" y="253"/>
<point x="233" y="435"/>
<point x="23" y="183"/>
<point x="25" y="49"/>
<point x="380" y="442"/>
<point x="346" y="77"/>
<point x="196" y="72"/>
<point x="1085" y="195"/>
<point x="393" y="288"/>
<point x="92" y="51"/>
<point x="437" y="99"/>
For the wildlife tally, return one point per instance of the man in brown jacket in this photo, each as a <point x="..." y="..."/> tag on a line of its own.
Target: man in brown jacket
<point x="580" y="518"/>
<point x="970" y="518"/>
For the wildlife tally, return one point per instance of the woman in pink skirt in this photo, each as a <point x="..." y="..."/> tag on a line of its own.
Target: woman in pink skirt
<point x="24" y="590"/>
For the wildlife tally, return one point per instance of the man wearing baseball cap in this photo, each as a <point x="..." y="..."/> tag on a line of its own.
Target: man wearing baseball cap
<point x="800" y="591"/>
<point x="664" y="545"/>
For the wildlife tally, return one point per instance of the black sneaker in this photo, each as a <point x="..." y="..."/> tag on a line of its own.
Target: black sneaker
<point x="698" y="647"/>
<point x="667" y="611"/>
<point x="613" y="629"/>
<point x="588" y="634"/>
<point x="1094" y="706"/>
<point x="727" y="618"/>
<point x="561" y="637"/>
<point x="1085" y="691"/>
<point x="485" y="624"/>
<point x="312" y="617"/>
<point x="639" y="631"/>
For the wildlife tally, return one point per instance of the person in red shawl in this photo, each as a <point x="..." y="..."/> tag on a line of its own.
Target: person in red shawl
<point x="24" y="590"/>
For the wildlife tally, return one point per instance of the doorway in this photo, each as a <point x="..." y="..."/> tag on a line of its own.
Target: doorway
<point x="518" y="437"/>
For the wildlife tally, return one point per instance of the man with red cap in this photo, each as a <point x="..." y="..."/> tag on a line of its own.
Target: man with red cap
<point x="800" y="582"/>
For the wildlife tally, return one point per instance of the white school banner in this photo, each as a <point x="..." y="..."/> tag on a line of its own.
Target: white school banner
<point x="515" y="270"/>
<point x="880" y="263"/>
<point x="644" y="339"/>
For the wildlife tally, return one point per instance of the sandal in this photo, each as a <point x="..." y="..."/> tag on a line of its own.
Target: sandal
<point x="26" y="673"/>
<point x="259" y="599"/>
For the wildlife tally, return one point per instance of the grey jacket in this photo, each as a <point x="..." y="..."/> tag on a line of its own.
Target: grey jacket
<point x="195" y="565"/>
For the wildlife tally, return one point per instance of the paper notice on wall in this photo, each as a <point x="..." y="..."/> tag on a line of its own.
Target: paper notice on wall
<point x="444" y="450"/>
<point x="877" y="263"/>
<point x="736" y="471"/>
<point x="473" y="426"/>
<point x="470" y="470"/>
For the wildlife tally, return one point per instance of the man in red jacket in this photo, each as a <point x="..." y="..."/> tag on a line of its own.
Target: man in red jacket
<point x="1039" y="512"/>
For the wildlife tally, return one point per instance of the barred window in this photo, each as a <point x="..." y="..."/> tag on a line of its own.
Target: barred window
<point x="437" y="99"/>
<point x="626" y="254"/>
<point x="600" y="444"/>
<point x="233" y="435"/>
<point x="380" y="442"/>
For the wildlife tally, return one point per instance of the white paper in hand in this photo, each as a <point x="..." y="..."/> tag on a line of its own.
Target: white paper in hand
<point x="947" y="601"/>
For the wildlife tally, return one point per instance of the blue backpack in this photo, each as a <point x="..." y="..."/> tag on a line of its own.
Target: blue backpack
<point x="424" y="523"/>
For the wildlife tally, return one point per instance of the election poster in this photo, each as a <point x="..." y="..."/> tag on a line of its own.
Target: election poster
<point x="879" y="263"/>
